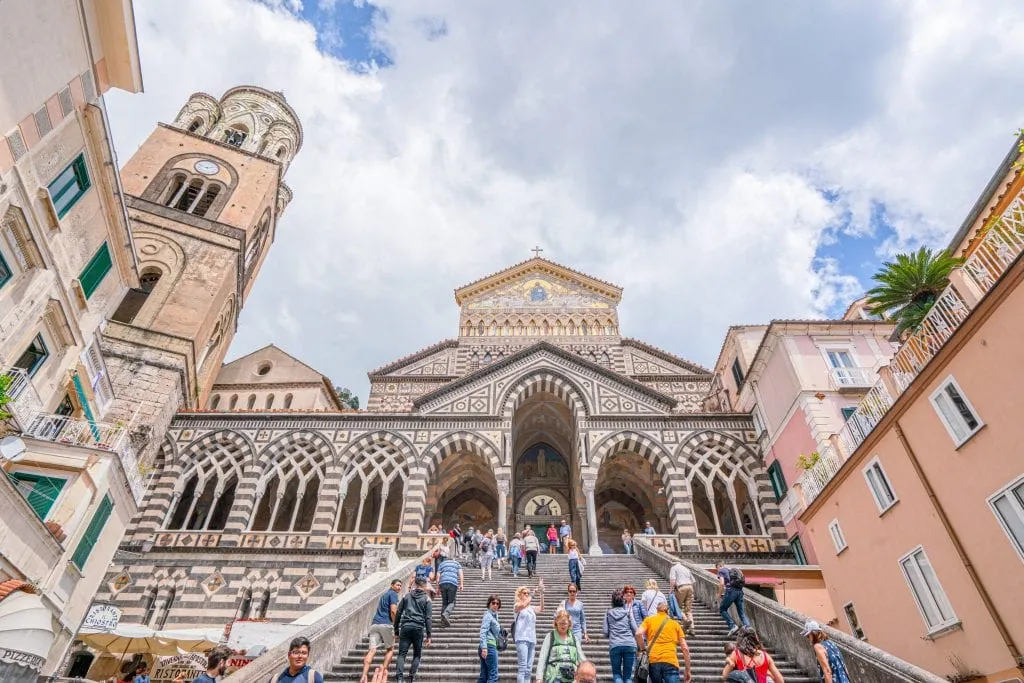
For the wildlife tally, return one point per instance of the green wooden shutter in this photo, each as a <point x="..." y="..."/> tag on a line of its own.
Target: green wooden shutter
<point x="778" y="480"/>
<point x="40" y="492"/>
<point x="96" y="270"/>
<point x="92" y="534"/>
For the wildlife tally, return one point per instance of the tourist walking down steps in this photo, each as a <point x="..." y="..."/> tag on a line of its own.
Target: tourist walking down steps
<point x="574" y="607"/>
<point x="515" y="553"/>
<point x="561" y="654"/>
<point x="487" y="555"/>
<point x="576" y="564"/>
<point x="490" y="632"/>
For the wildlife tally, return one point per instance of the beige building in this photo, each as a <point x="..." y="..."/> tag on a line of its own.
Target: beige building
<point x="270" y="379"/>
<point x="929" y="500"/>
<point x="69" y="484"/>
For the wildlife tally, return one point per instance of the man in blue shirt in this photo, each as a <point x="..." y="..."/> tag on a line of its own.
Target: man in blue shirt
<point x="450" y="581"/>
<point x="649" y="529"/>
<point x="730" y="592"/>
<point x="564" y="534"/>
<point x="298" y="671"/>
<point x="382" y="629"/>
<point x="216" y="664"/>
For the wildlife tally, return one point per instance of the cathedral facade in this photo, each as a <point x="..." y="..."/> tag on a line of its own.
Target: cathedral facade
<point x="538" y="411"/>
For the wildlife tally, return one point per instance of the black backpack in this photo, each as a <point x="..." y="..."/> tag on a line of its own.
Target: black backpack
<point x="736" y="578"/>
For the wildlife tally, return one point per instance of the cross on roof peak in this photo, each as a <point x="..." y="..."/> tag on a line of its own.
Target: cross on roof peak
<point x="536" y="252"/>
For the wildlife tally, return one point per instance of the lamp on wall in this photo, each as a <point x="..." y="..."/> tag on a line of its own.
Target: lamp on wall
<point x="820" y="396"/>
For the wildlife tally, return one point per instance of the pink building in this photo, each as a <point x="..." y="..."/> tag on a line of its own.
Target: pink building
<point x="801" y="380"/>
<point x="919" y="531"/>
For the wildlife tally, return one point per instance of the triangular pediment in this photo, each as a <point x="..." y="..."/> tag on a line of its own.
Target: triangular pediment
<point x="538" y="283"/>
<point x="269" y="365"/>
<point x="645" y="359"/>
<point x="600" y="391"/>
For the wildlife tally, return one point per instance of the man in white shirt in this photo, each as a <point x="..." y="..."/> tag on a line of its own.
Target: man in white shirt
<point x="681" y="580"/>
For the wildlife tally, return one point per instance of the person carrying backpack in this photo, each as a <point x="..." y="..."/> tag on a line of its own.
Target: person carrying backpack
<point x="561" y="653"/>
<point x="730" y="592"/>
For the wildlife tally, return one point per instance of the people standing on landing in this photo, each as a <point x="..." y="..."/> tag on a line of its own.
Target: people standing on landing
<point x="748" y="655"/>
<point x="680" y="580"/>
<point x="298" y="670"/>
<point x="574" y="608"/>
<point x="627" y="542"/>
<point x="412" y="623"/>
<point x="620" y="629"/>
<point x="450" y="581"/>
<point x="831" y="666"/>
<point x="515" y="553"/>
<point x="532" y="547"/>
<point x="649" y="529"/>
<point x="730" y="592"/>
<point x="652" y="597"/>
<point x="561" y="653"/>
<point x="524" y="632"/>
<point x="490" y="632"/>
<point x="576" y="564"/>
<point x="564" y="534"/>
<point x="662" y="635"/>
<point x="382" y="628"/>
<point x="487" y="555"/>
<point x="552" y="539"/>
<point x="633" y="605"/>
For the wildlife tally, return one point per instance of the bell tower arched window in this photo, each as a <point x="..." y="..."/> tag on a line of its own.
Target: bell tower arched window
<point x="135" y="298"/>
<point x="195" y="125"/>
<point x="236" y="135"/>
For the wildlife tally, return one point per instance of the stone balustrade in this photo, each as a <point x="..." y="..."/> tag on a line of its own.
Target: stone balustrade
<point x="780" y="628"/>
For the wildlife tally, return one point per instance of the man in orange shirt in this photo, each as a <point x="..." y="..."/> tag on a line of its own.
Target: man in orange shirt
<point x="663" y="661"/>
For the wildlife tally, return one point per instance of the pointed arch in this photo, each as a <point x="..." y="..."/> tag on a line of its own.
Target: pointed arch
<point x="293" y="470"/>
<point x="549" y="381"/>
<point x="376" y="471"/>
<point x="456" y="442"/>
<point x="207" y="474"/>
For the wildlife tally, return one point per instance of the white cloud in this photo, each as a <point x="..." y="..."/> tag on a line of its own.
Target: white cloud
<point x="676" y="149"/>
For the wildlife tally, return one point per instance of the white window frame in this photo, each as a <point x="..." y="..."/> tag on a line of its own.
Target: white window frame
<point x="838" y="537"/>
<point x="68" y="478"/>
<point x="99" y="379"/>
<point x="854" y="629"/>
<point x="824" y="346"/>
<point x="933" y="629"/>
<point x="1018" y="507"/>
<point x="957" y="440"/>
<point x="759" y="425"/>
<point x="876" y="464"/>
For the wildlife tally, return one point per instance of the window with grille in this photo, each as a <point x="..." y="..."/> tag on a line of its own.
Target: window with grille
<point x="92" y="533"/>
<point x="5" y="271"/>
<point x="955" y="411"/>
<point x="878" y="482"/>
<point x="94" y="272"/>
<point x="68" y="187"/>
<point x="924" y="584"/>
<point x="234" y="137"/>
<point x="1008" y="506"/>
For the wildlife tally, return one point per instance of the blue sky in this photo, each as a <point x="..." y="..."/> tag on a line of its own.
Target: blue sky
<point x="725" y="163"/>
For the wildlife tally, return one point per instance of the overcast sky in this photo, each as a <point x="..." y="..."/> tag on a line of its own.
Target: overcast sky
<point x="724" y="162"/>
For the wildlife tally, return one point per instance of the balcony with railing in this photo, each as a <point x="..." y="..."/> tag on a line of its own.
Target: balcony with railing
<point x="26" y="408"/>
<point x="851" y="379"/>
<point x="999" y="247"/>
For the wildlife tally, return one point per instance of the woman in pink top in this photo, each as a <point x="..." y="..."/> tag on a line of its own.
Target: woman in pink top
<point x="552" y="539"/>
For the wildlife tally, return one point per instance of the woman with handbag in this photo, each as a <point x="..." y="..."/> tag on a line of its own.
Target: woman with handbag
<point x="749" y="663"/>
<point x="659" y="663"/>
<point x="561" y="652"/>
<point x="576" y="564"/>
<point x="491" y="640"/>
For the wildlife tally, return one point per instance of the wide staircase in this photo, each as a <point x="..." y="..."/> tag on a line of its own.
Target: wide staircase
<point x="454" y="653"/>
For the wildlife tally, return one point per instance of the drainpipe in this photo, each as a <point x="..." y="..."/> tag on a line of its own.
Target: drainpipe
<point x="1004" y="633"/>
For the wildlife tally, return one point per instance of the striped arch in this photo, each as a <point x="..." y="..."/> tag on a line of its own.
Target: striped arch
<point x="456" y="442"/>
<point x="695" y="453"/>
<point x="306" y="457"/>
<point x="159" y="491"/>
<point x="655" y="453"/>
<point x="371" y="467"/>
<point x="298" y="440"/>
<point x="550" y="381"/>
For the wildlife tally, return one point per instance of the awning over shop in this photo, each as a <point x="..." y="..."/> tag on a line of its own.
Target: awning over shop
<point x="26" y="626"/>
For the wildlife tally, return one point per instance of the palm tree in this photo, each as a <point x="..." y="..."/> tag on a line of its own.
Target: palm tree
<point x="909" y="286"/>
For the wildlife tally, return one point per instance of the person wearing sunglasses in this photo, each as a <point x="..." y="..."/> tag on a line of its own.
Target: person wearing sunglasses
<point x="490" y="633"/>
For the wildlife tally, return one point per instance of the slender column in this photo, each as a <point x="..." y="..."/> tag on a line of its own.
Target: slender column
<point x="588" y="492"/>
<point x="503" y="505"/>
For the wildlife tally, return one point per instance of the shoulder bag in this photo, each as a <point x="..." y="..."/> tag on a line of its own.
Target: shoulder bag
<point x="641" y="672"/>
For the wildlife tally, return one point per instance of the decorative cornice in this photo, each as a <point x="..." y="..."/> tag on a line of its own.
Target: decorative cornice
<point x="664" y="355"/>
<point x="413" y="357"/>
<point x="500" y="277"/>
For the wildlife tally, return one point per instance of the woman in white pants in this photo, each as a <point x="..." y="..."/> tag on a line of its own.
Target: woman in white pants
<point x="524" y="632"/>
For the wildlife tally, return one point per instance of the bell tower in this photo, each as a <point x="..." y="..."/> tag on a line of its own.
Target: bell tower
<point x="204" y="196"/>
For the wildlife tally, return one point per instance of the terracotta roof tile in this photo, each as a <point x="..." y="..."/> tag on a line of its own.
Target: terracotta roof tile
<point x="13" y="585"/>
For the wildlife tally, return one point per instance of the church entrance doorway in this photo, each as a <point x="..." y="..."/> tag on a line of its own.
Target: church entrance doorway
<point x="543" y="490"/>
<point x="464" y="491"/>
<point x="629" y="492"/>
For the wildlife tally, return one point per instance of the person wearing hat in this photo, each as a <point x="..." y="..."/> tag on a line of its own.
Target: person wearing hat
<point x="830" y="660"/>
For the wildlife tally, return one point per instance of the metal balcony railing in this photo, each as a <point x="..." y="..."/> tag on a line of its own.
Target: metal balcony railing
<point x="851" y="378"/>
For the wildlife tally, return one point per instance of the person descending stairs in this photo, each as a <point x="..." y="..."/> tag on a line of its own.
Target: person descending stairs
<point x="454" y="654"/>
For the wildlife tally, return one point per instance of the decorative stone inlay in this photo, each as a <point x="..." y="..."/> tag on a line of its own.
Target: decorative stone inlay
<point x="121" y="581"/>
<point x="307" y="585"/>
<point x="213" y="583"/>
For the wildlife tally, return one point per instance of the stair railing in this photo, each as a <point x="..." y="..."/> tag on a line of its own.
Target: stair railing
<point x="780" y="628"/>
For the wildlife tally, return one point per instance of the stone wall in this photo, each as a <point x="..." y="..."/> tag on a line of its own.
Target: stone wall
<point x="780" y="628"/>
